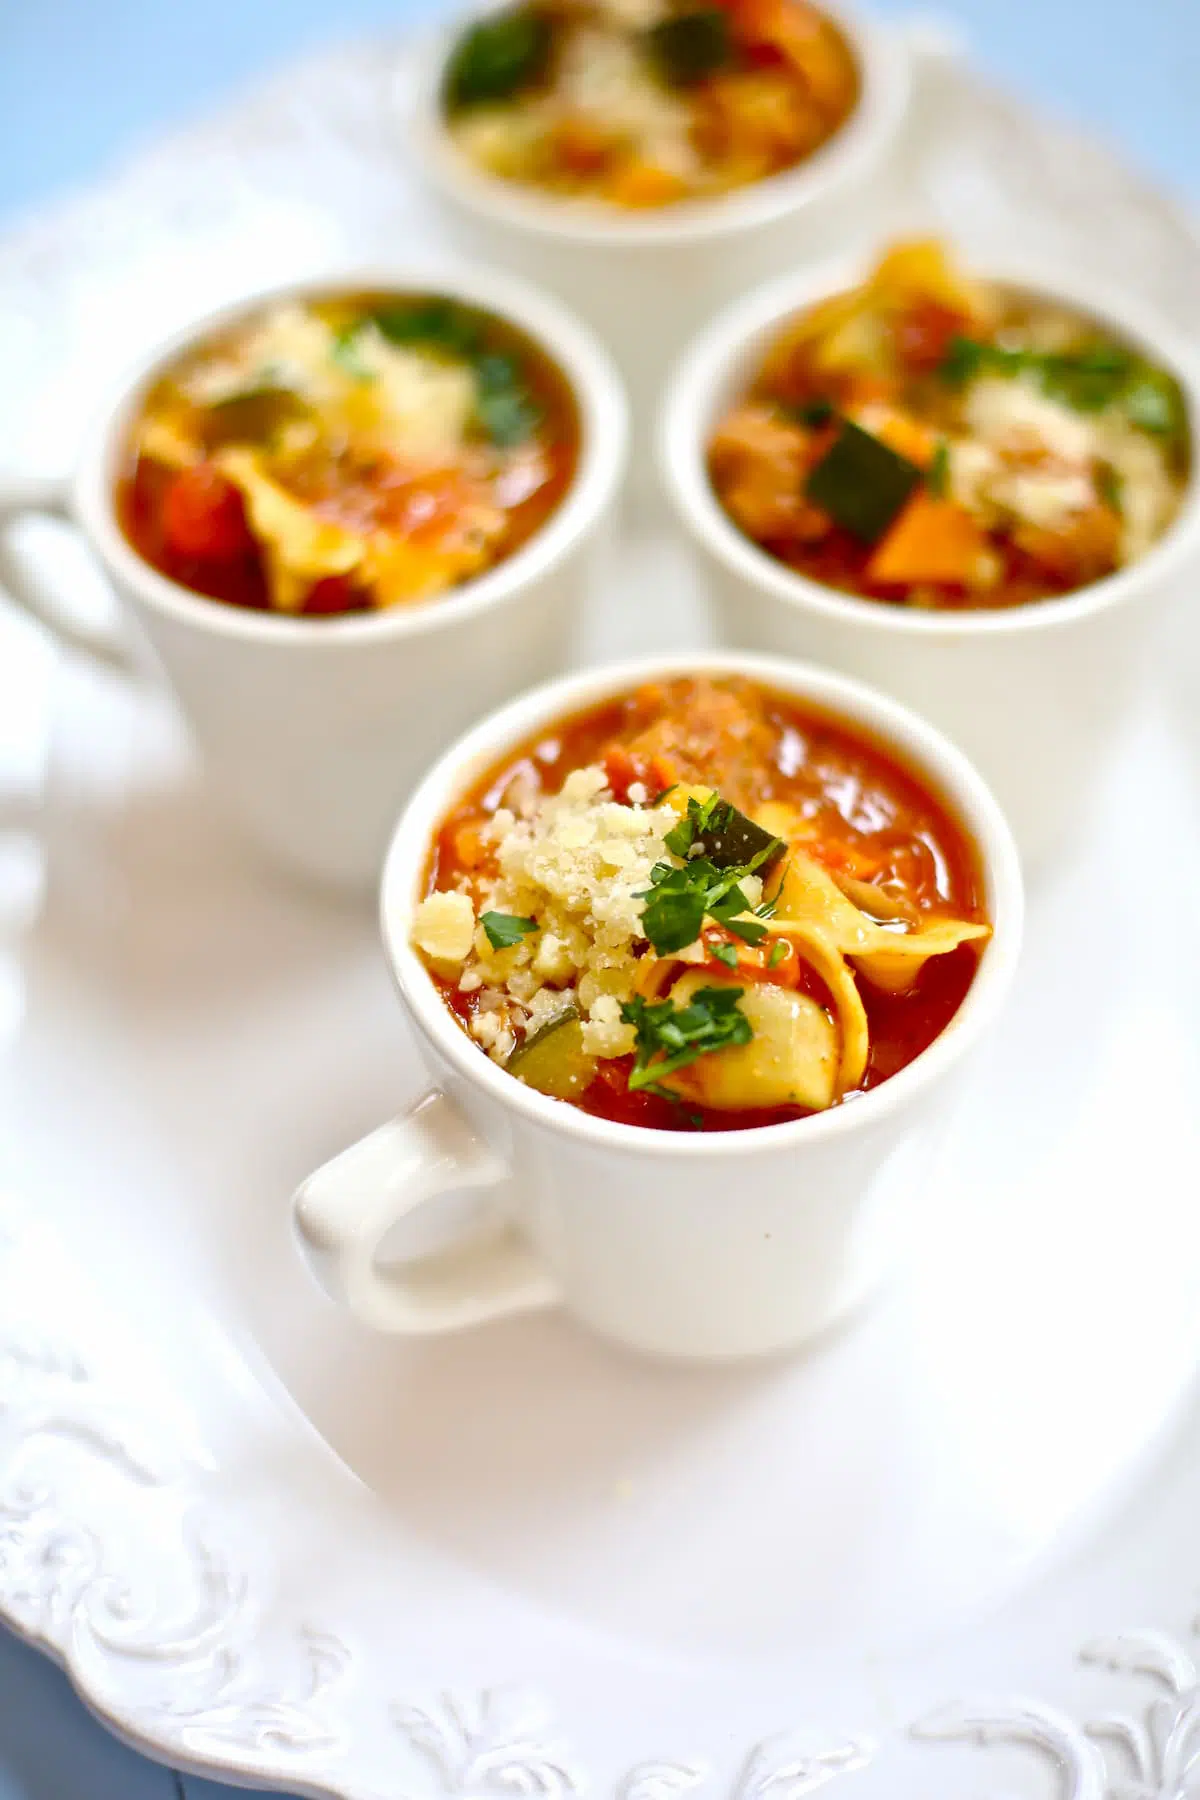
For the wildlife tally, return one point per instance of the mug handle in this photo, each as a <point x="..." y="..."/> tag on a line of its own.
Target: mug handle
<point x="20" y="494"/>
<point x="343" y="1212"/>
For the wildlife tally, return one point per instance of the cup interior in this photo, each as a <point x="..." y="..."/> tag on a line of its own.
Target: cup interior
<point x="722" y="360"/>
<point x="885" y="78"/>
<point x="550" y="328"/>
<point x="868" y="714"/>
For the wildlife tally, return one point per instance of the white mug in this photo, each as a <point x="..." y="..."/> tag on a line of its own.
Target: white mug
<point x="1034" y="694"/>
<point x="687" y="1245"/>
<point x="312" y="731"/>
<point x="644" y="280"/>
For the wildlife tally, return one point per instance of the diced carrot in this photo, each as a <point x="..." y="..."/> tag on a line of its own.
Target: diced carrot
<point x="923" y="333"/>
<point x="333" y="594"/>
<point x="581" y="147"/>
<point x="468" y="846"/>
<point x="905" y="435"/>
<point x="638" y="183"/>
<point x="620" y="771"/>
<point x="932" y="540"/>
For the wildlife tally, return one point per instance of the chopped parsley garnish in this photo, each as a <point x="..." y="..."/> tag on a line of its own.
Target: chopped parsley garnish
<point x="1111" y="488"/>
<point x="679" y="900"/>
<point x="779" y="950"/>
<point x="504" y="406"/>
<point x="505" y="929"/>
<point x="937" y="476"/>
<point x="716" y="829"/>
<point x="1087" y="380"/>
<point x="862" y="483"/>
<point x="669" y="1036"/>
<point x="505" y="410"/>
<point x="707" y="839"/>
<point x="346" y="354"/>
<point x="690" y="47"/>
<point x="725" y="953"/>
<point x="497" y="57"/>
<point x="441" y="325"/>
<point x="1153" y="402"/>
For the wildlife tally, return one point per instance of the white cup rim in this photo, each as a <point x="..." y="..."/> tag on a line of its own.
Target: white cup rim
<point x="885" y="74"/>
<point x="586" y="366"/>
<point x="706" y="364"/>
<point x="931" y="756"/>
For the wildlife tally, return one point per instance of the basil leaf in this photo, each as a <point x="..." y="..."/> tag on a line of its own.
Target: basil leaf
<point x="497" y="57"/>
<point x="505" y="929"/>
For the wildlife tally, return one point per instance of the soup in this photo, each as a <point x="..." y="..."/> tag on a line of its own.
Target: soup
<point x="347" y="455"/>
<point x="642" y="106"/>
<point x="701" y="906"/>
<point x="931" y="440"/>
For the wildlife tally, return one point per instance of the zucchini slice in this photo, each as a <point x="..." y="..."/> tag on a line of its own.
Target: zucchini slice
<point x="862" y="483"/>
<point x="553" y="1060"/>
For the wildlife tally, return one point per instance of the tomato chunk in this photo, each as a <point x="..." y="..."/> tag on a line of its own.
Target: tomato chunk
<point x="203" y="516"/>
<point x="333" y="594"/>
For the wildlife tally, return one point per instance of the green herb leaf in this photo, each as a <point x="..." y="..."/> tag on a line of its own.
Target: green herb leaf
<point x="678" y="899"/>
<point x="726" y="911"/>
<point x="716" y="829"/>
<point x="690" y="47"/>
<point x="505" y="929"/>
<point x="862" y="483"/>
<point x="440" y="325"/>
<point x="504" y="408"/>
<point x="1091" y="379"/>
<point x="507" y="418"/>
<point x="1110" y="488"/>
<point x="346" y="353"/>
<point x="675" y="905"/>
<point x="1153" y="402"/>
<point x="725" y="953"/>
<point x="963" y="361"/>
<point x="497" y="57"/>
<point x="779" y="950"/>
<point x="669" y="1036"/>
<point x="937" y="476"/>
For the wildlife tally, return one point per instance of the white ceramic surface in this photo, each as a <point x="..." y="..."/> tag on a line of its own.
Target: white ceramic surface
<point x="645" y="281"/>
<point x="1033" y="694"/>
<point x="313" y="731"/>
<point x="738" y="1244"/>
<point x="275" y="1547"/>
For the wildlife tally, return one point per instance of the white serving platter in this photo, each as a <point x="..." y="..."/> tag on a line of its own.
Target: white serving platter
<point x="268" y="1546"/>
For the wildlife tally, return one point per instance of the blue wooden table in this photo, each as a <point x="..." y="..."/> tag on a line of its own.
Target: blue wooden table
<point x="82" y="82"/>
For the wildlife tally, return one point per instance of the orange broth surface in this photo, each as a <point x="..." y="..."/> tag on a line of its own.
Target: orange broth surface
<point x="874" y="820"/>
<point x="192" y="523"/>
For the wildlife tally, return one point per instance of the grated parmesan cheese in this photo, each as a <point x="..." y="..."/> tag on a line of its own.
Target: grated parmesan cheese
<point x="576" y="863"/>
<point x="1014" y="418"/>
<point x="444" y="927"/>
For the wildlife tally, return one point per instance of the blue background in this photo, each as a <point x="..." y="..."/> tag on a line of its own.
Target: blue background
<point x="84" y="82"/>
